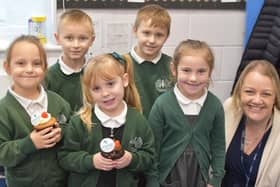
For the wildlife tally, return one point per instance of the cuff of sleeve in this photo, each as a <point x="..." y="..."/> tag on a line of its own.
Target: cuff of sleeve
<point x="133" y="162"/>
<point x="216" y="181"/>
<point x="26" y="145"/>
<point x="88" y="163"/>
<point x="152" y="182"/>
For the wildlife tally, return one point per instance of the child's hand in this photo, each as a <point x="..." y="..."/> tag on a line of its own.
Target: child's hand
<point x="102" y="163"/>
<point x="123" y="161"/>
<point x="56" y="131"/>
<point x="44" y="138"/>
<point x="209" y="185"/>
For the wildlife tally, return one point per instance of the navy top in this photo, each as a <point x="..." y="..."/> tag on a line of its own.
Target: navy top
<point x="235" y="171"/>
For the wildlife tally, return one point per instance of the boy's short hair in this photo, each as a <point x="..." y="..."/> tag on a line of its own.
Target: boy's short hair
<point x="159" y="16"/>
<point x="75" y="16"/>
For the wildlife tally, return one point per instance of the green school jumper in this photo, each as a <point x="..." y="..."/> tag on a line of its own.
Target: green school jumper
<point x="80" y="145"/>
<point x="152" y="80"/>
<point x="67" y="86"/>
<point x="25" y="166"/>
<point x="173" y="134"/>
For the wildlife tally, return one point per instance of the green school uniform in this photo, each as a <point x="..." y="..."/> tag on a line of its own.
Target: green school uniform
<point x="152" y="80"/>
<point x="80" y="145"/>
<point x="25" y="166"/>
<point x="173" y="134"/>
<point x="67" y="86"/>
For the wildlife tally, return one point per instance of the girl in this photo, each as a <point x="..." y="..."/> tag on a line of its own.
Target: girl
<point x="111" y="110"/>
<point x="29" y="156"/>
<point x="188" y="122"/>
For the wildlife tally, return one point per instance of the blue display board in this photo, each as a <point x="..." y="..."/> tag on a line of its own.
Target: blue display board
<point x="253" y="8"/>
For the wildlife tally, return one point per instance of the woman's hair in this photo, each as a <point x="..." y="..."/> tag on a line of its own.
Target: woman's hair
<point x="158" y="15"/>
<point x="30" y="39"/>
<point x="264" y="68"/>
<point x="107" y="66"/>
<point x="193" y="48"/>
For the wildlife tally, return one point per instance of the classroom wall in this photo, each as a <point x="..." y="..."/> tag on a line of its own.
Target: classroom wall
<point x="224" y="30"/>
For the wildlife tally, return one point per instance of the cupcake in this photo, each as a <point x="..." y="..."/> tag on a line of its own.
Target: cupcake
<point x="42" y="121"/>
<point x="111" y="149"/>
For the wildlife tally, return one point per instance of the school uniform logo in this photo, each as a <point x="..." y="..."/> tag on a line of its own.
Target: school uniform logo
<point x="135" y="144"/>
<point x="162" y="84"/>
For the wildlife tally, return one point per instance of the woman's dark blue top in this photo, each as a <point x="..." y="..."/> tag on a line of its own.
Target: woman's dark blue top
<point x="235" y="171"/>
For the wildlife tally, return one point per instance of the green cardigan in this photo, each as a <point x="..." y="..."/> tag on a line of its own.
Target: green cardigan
<point x="67" y="86"/>
<point x="25" y="166"/>
<point x="80" y="145"/>
<point x="173" y="133"/>
<point x="152" y="80"/>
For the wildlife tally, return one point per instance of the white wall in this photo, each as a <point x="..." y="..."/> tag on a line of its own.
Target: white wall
<point x="222" y="29"/>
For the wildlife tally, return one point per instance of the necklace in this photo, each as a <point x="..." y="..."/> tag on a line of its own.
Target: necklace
<point x="248" y="141"/>
<point x="248" y="173"/>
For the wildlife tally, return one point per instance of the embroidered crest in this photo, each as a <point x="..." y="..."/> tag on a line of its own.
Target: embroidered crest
<point x="162" y="84"/>
<point x="61" y="118"/>
<point x="135" y="144"/>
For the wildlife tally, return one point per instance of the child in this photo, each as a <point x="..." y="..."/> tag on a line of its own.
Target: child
<point x="188" y="122"/>
<point x="111" y="110"/>
<point x="75" y="34"/>
<point x="28" y="155"/>
<point x="151" y="66"/>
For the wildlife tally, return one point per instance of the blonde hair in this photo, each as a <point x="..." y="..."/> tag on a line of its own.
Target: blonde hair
<point x="263" y="67"/>
<point x="194" y="48"/>
<point x="158" y="15"/>
<point x="75" y="16"/>
<point x="29" y="39"/>
<point x="107" y="67"/>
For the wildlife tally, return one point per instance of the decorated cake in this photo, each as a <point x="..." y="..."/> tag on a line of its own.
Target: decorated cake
<point x="111" y="149"/>
<point x="42" y="121"/>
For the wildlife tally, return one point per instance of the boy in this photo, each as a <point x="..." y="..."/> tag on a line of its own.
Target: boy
<point x="151" y="66"/>
<point x="75" y="34"/>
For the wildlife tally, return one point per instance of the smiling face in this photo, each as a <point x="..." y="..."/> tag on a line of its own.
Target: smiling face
<point x="192" y="74"/>
<point x="25" y="67"/>
<point x="108" y="94"/>
<point x="75" y="39"/>
<point x="257" y="97"/>
<point x="150" y="39"/>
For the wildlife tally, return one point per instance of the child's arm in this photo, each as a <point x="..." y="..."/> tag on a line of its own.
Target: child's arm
<point x="156" y="121"/>
<point x="13" y="151"/>
<point x="73" y="156"/>
<point x="217" y="143"/>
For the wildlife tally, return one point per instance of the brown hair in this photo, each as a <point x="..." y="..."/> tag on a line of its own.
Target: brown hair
<point x="194" y="48"/>
<point x="30" y="39"/>
<point x="159" y="16"/>
<point x="76" y="16"/>
<point x="107" y="66"/>
<point x="263" y="67"/>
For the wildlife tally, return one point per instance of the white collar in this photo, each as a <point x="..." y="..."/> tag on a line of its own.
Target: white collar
<point x="140" y="60"/>
<point x="42" y="99"/>
<point x="108" y="121"/>
<point x="66" y="69"/>
<point x="185" y="101"/>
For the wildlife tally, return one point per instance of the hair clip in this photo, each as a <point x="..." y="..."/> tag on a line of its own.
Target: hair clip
<point x="118" y="57"/>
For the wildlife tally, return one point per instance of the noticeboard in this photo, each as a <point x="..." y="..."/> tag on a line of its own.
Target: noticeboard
<point x="170" y="4"/>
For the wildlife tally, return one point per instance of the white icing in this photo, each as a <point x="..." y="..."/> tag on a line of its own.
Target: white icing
<point x="37" y="119"/>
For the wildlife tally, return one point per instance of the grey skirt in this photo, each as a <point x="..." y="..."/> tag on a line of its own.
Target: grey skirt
<point x="186" y="172"/>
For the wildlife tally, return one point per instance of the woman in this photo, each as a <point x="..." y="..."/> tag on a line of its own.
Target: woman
<point x="252" y="120"/>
